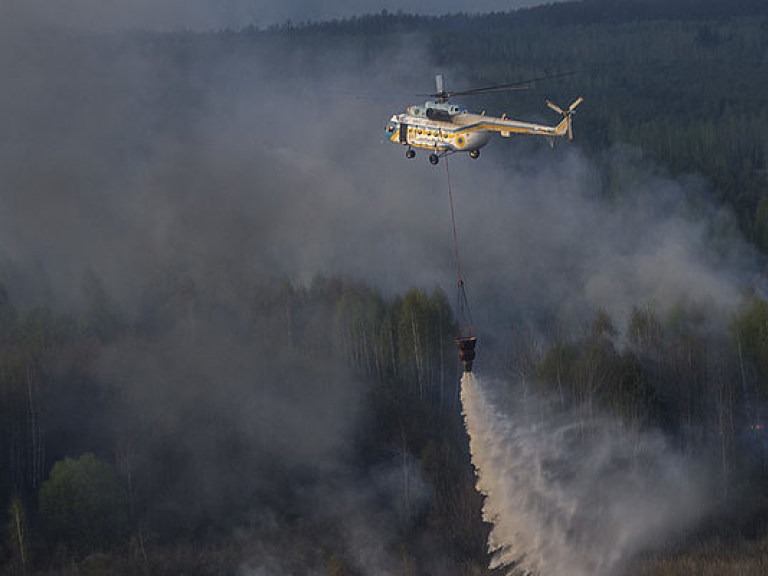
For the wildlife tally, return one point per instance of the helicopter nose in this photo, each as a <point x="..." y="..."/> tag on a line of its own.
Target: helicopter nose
<point x="391" y="128"/>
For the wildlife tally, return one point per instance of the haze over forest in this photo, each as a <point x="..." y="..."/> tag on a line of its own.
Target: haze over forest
<point x="214" y="15"/>
<point x="227" y="302"/>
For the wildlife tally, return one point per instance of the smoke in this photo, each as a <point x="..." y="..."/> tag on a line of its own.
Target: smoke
<point x="180" y="183"/>
<point x="568" y="496"/>
<point x="250" y="159"/>
<point x="558" y="246"/>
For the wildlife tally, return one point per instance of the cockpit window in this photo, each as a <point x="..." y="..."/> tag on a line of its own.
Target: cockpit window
<point x="391" y="128"/>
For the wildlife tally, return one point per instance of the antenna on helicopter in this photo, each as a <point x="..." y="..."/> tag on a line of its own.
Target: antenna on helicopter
<point x="439" y="84"/>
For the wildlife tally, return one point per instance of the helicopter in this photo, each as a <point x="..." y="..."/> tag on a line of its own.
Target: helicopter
<point x="445" y="128"/>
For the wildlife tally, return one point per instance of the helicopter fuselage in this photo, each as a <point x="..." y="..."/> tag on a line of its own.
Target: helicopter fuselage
<point x="439" y="135"/>
<point x="444" y="128"/>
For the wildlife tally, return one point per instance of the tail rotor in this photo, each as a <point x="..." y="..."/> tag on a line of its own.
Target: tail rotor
<point x="568" y="113"/>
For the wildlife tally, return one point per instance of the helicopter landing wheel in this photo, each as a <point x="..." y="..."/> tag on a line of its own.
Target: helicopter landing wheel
<point x="410" y="153"/>
<point x="434" y="159"/>
<point x="474" y="154"/>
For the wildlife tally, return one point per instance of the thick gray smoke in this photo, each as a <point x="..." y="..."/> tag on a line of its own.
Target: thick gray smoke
<point x="555" y="243"/>
<point x="176" y="182"/>
<point x="254" y="166"/>
<point x="567" y="496"/>
<point x="124" y="153"/>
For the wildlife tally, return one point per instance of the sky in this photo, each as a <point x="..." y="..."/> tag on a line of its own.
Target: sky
<point x="235" y="14"/>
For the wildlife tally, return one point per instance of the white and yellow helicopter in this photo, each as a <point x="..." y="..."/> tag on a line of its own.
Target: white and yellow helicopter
<point x="445" y="128"/>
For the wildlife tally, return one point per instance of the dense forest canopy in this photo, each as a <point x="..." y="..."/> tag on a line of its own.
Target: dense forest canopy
<point x="226" y="306"/>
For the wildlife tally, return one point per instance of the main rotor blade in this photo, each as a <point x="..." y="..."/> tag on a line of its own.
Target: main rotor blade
<point x="522" y="85"/>
<point x="365" y="95"/>
<point x="489" y="89"/>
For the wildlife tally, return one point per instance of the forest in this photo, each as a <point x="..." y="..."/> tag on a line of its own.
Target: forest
<point x="226" y="309"/>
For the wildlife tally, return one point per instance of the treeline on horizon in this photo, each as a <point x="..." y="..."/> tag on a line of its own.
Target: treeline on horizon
<point x="549" y="14"/>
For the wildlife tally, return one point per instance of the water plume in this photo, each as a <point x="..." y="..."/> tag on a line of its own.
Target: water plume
<point x="567" y="495"/>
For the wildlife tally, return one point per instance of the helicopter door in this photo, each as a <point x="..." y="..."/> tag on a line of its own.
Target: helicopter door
<point x="403" y="133"/>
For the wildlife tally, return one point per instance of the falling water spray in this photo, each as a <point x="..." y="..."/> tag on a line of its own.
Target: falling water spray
<point x="566" y="495"/>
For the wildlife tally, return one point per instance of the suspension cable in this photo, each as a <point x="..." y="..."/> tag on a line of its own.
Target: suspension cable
<point x="465" y="315"/>
<point x="453" y="224"/>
